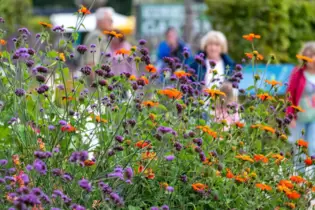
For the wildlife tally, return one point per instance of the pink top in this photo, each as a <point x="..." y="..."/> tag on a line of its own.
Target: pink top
<point x="296" y="86"/>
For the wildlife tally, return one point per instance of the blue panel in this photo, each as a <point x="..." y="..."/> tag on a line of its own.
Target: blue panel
<point x="278" y="72"/>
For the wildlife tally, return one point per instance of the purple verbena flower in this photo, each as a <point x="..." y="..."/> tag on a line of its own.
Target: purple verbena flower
<point x="81" y="49"/>
<point x="59" y="29"/>
<point x="165" y="207"/>
<point x="170" y="189"/>
<point x="169" y="157"/>
<point x="40" y="166"/>
<point x="85" y="184"/>
<point x="3" y="162"/>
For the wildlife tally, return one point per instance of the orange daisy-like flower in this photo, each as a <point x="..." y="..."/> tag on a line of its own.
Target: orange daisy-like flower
<point x="293" y="195"/>
<point x="152" y="116"/>
<point x="273" y="82"/>
<point x="83" y="10"/>
<point x="298" y="108"/>
<point x="41" y="144"/>
<point x="214" y="93"/>
<point x="286" y="183"/>
<point x="149" y="173"/>
<point x="245" y="158"/>
<point x="171" y="93"/>
<point x="132" y="77"/>
<point x="150" y="68"/>
<point x="148" y="155"/>
<point x="308" y="161"/>
<point x="229" y="174"/>
<point x="62" y="57"/>
<point x="69" y="98"/>
<point x="113" y="34"/>
<point x="264" y="96"/>
<point x="198" y="187"/>
<point x="122" y="51"/>
<point x="263" y="187"/>
<point x="304" y="58"/>
<point x="68" y="128"/>
<point x="150" y="103"/>
<point x="302" y="143"/>
<point x="268" y="128"/>
<point x="180" y="74"/>
<point x="239" y="125"/>
<point x="45" y="25"/>
<point x="278" y="158"/>
<point x="297" y="179"/>
<point x="207" y="130"/>
<point x="255" y="54"/>
<point x="262" y="158"/>
<point x="250" y="37"/>
<point x="89" y="162"/>
<point x="144" y="79"/>
<point x="16" y="160"/>
<point x="98" y="119"/>
<point x="142" y="144"/>
<point x="241" y="179"/>
<point x="3" y="42"/>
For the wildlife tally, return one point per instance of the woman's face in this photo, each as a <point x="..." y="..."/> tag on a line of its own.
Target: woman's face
<point x="213" y="50"/>
<point x="308" y="64"/>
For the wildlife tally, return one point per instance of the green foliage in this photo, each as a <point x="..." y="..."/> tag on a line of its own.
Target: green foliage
<point x="283" y="24"/>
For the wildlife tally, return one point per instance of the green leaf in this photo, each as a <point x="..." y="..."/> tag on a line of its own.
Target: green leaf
<point x="250" y="87"/>
<point x="75" y="36"/>
<point x="62" y="43"/>
<point x="52" y="54"/>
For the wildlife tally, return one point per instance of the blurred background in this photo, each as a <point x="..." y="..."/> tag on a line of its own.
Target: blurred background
<point x="284" y="25"/>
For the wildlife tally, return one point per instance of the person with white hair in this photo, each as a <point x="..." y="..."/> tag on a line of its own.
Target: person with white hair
<point x="214" y="47"/>
<point x="97" y="39"/>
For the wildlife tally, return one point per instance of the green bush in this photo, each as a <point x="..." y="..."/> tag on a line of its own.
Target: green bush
<point x="283" y="24"/>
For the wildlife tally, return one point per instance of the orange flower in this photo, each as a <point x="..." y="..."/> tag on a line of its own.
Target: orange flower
<point x="304" y="58"/>
<point x="297" y="179"/>
<point x="286" y="183"/>
<point x="98" y="119"/>
<point x="239" y="124"/>
<point x="163" y="185"/>
<point x="3" y="42"/>
<point x="250" y="37"/>
<point x="69" y="98"/>
<point x="229" y="174"/>
<point x="171" y="93"/>
<point x="268" y="128"/>
<point x="264" y="96"/>
<point x="149" y="173"/>
<point x="113" y="34"/>
<point x="308" y="161"/>
<point x="261" y="158"/>
<point x="84" y="10"/>
<point x="290" y="205"/>
<point x="16" y="160"/>
<point x="293" y="195"/>
<point x="273" y="82"/>
<point x="263" y="187"/>
<point x="214" y="93"/>
<point x="122" y="51"/>
<point x="283" y="188"/>
<point x="198" y="187"/>
<point x="89" y="162"/>
<point x="298" y="108"/>
<point x="45" y="25"/>
<point x="245" y="158"/>
<point x="241" y="179"/>
<point x="180" y="74"/>
<point x="302" y="143"/>
<point x="150" y="68"/>
<point x="150" y="103"/>
<point x="148" y="156"/>
<point x="207" y="130"/>
<point x="278" y="158"/>
<point x="62" y="57"/>
<point x="144" y="79"/>
<point x="68" y="128"/>
<point x="132" y="77"/>
<point x="140" y="168"/>
<point x="255" y="54"/>
<point x="142" y="144"/>
<point x="41" y="144"/>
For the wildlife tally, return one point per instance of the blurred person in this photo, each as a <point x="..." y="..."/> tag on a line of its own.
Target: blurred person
<point x="172" y="46"/>
<point x="120" y="63"/>
<point x="104" y="22"/>
<point x="301" y="88"/>
<point x="214" y="47"/>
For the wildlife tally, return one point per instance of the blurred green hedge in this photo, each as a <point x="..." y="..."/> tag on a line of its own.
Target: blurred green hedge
<point x="283" y="24"/>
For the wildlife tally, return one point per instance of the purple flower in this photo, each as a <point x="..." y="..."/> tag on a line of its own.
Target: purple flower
<point x="212" y="63"/>
<point x="42" y="155"/>
<point x="57" y="172"/>
<point x="3" y="162"/>
<point x="2" y="181"/>
<point x="238" y="67"/>
<point x="62" y="122"/>
<point x="178" y="146"/>
<point x="40" y="166"/>
<point x="56" y="150"/>
<point x="29" y="63"/>
<point x="24" y="31"/>
<point x="170" y="189"/>
<point x="67" y="177"/>
<point x="54" y="208"/>
<point x="165" y="207"/>
<point x="142" y="42"/>
<point x="128" y="174"/>
<point x="154" y="208"/>
<point x="42" y="89"/>
<point x="37" y="36"/>
<point x="118" y="173"/>
<point x="199" y="59"/>
<point x="81" y="49"/>
<point x="183" y="178"/>
<point x="58" y="29"/>
<point x="21" y="53"/>
<point x="12" y="170"/>
<point x="169" y="157"/>
<point x="120" y="139"/>
<point x="85" y="184"/>
<point x="80" y="156"/>
<point x="51" y="127"/>
<point x="29" y="167"/>
<point x="42" y="69"/>
<point x="165" y="130"/>
<point x="92" y="45"/>
<point x="116" y="199"/>
<point x="77" y="207"/>
<point x="86" y="70"/>
<point x="1" y="20"/>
